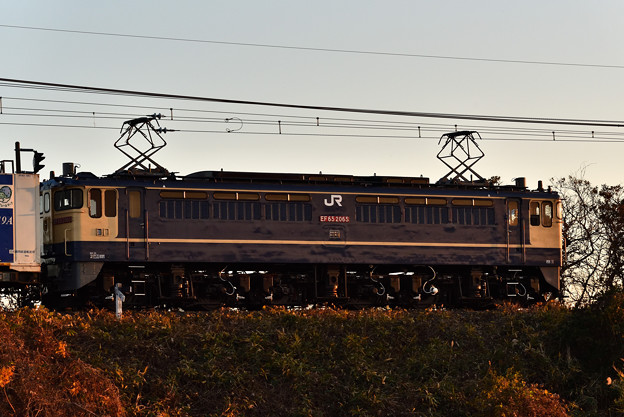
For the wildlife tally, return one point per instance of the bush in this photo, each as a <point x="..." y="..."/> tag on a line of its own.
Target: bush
<point x="510" y="395"/>
<point x="39" y="377"/>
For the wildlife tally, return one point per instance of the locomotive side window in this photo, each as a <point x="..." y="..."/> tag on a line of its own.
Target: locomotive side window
<point x="542" y="213"/>
<point x="184" y="194"/>
<point x="547" y="213"/>
<point x="469" y="211"/>
<point x="134" y="198"/>
<point x="366" y="199"/>
<point x="178" y="204"/>
<point x="46" y="202"/>
<point x="462" y="202"/>
<point x="224" y="196"/>
<point x="512" y="207"/>
<point x="299" y="197"/>
<point x="220" y="195"/>
<point x="426" y="210"/>
<point x="436" y="201"/>
<point x="110" y="203"/>
<point x="196" y="195"/>
<point x="483" y="203"/>
<point x="172" y="194"/>
<point x="95" y="203"/>
<point x="559" y="210"/>
<point x="248" y="196"/>
<point x="534" y="212"/>
<point x="286" y="197"/>
<point x="68" y="199"/>
<point x="377" y="199"/>
<point x="415" y="200"/>
<point x="377" y="209"/>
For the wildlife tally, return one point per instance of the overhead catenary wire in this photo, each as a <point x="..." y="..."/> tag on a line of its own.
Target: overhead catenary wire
<point x="330" y="129"/>
<point x="282" y="116"/>
<point x="111" y="91"/>
<point x="306" y="120"/>
<point x="336" y="135"/>
<point x="359" y="126"/>
<point x="299" y="121"/>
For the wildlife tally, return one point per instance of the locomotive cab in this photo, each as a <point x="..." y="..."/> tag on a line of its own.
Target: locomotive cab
<point x="76" y="220"/>
<point x="545" y="231"/>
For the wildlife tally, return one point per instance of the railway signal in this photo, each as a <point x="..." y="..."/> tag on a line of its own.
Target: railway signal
<point x="37" y="158"/>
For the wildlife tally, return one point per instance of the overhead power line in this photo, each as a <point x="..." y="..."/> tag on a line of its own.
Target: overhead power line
<point x="9" y="82"/>
<point x="323" y="126"/>
<point x="303" y="48"/>
<point x="533" y="138"/>
<point x="217" y="115"/>
<point x="272" y="117"/>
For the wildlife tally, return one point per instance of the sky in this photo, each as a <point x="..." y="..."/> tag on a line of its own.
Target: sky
<point x="579" y="77"/>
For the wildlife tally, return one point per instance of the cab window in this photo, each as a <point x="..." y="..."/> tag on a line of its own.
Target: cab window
<point x="513" y="213"/>
<point x="534" y="211"/>
<point x="547" y="213"/>
<point x="110" y="203"/>
<point x="559" y="210"/>
<point x="95" y="203"/>
<point x="134" y="198"/>
<point x="68" y="199"/>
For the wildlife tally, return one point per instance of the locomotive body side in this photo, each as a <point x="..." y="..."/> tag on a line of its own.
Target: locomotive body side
<point x="297" y="240"/>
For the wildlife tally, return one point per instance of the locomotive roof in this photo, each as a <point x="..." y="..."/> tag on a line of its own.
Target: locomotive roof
<point x="299" y="182"/>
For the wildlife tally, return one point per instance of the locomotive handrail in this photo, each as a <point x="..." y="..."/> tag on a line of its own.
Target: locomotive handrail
<point x="146" y="235"/>
<point x="66" y="254"/>
<point x="523" y="221"/>
<point x="507" y="232"/>
<point x="127" y="235"/>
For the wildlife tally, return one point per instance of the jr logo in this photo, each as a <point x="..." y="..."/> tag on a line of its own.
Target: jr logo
<point x="334" y="199"/>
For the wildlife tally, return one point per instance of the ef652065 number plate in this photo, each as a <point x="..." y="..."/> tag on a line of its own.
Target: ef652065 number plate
<point x="335" y="219"/>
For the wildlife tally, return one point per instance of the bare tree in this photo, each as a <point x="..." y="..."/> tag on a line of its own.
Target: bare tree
<point x="611" y="215"/>
<point x="594" y="238"/>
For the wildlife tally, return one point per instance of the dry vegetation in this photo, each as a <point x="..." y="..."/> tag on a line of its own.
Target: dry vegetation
<point x="544" y="361"/>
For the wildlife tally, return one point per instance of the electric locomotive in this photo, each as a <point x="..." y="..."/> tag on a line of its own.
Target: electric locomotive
<point x="216" y="238"/>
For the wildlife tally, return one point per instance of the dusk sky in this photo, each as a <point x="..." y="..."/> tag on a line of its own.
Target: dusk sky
<point x="533" y="59"/>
